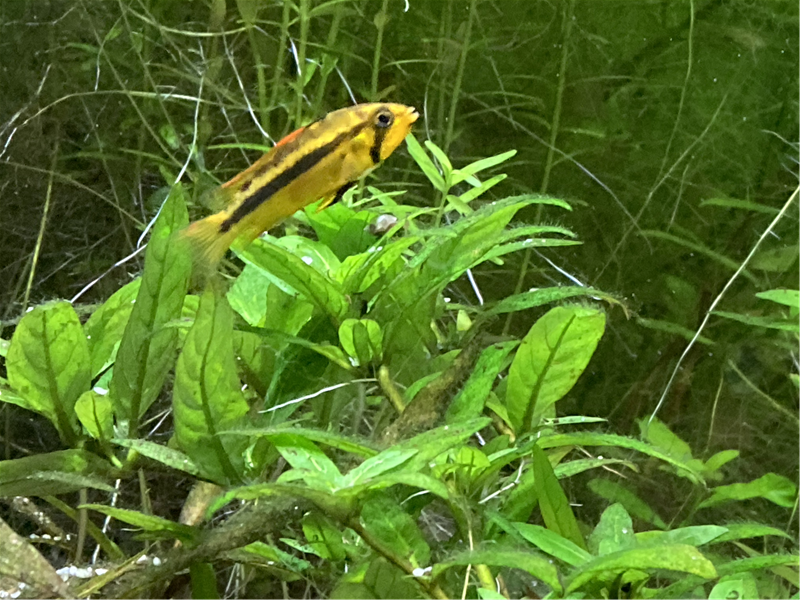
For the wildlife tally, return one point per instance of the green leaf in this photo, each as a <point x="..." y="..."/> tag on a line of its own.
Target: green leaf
<point x="469" y="402"/>
<point x="553" y="544"/>
<point x="685" y="559"/>
<point x="660" y="436"/>
<point x="305" y="457"/>
<point x="539" y="567"/>
<point x="385" y="519"/>
<point x="697" y="535"/>
<point x="726" y="262"/>
<point x="614" y="532"/>
<point x="147" y="349"/>
<point x="782" y="324"/>
<point x="248" y="295"/>
<point x="432" y="443"/>
<point x="169" y="457"/>
<point x="775" y="488"/>
<point x="54" y="473"/>
<point x="549" y="361"/>
<point x="425" y="163"/>
<point x="556" y="511"/>
<point x="740" y="204"/>
<point x="96" y="414"/>
<point x="48" y="365"/>
<point x="758" y="563"/>
<point x="478" y="191"/>
<point x="152" y="524"/>
<point x="790" y="298"/>
<point x="377" y="465"/>
<point x="204" y="580"/>
<point x="775" y="260"/>
<point x="328" y="438"/>
<point x="691" y="469"/>
<point x="615" y="492"/>
<point x="737" y="586"/>
<point x="539" y="297"/>
<point x="362" y="340"/>
<point x="323" y="537"/>
<point x="460" y="175"/>
<point x="673" y="329"/>
<point x="739" y="531"/>
<point x="298" y="275"/>
<point x="105" y="327"/>
<point x="207" y="396"/>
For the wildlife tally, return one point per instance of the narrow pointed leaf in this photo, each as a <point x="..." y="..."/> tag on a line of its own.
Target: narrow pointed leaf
<point x="553" y="502"/>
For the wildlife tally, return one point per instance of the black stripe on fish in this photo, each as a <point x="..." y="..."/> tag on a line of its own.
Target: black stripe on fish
<point x="281" y="180"/>
<point x="375" y="151"/>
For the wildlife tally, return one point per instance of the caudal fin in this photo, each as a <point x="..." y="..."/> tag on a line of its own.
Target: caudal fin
<point x="209" y="245"/>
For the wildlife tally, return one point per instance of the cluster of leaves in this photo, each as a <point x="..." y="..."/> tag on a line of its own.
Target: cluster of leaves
<point x="336" y="371"/>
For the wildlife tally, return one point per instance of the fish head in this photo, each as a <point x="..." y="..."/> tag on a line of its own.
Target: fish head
<point x="392" y="123"/>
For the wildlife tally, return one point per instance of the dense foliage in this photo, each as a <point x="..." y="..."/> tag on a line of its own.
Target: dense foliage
<point x="548" y="349"/>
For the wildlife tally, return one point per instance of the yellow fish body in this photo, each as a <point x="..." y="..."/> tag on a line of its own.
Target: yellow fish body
<point x="322" y="160"/>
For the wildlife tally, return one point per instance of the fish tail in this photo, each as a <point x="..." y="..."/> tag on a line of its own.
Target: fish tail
<point x="209" y="244"/>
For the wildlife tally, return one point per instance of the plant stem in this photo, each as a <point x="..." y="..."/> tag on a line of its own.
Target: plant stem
<point x="380" y="23"/>
<point x="566" y="29"/>
<point x="462" y="61"/>
<point x="333" y="33"/>
<point x="277" y="72"/>
<point x="301" y="62"/>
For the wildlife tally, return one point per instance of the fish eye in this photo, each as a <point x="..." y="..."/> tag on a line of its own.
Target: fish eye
<point x="384" y="119"/>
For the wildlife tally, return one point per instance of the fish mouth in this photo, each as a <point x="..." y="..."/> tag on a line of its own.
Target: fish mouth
<point x="412" y="114"/>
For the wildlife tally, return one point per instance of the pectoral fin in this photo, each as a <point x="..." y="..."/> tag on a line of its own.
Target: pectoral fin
<point x="334" y="198"/>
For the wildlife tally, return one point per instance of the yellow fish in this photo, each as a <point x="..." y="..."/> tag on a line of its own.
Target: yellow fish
<point x="322" y="160"/>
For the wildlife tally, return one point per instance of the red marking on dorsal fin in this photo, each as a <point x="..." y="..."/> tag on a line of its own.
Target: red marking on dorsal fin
<point x="290" y="137"/>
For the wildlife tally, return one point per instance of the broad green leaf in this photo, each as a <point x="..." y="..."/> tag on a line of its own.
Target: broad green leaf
<point x="323" y="537"/>
<point x="248" y="295"/>
<point x="359" y="272"/>
<point x="615" y="492"/>
<point x="339" y="507"/>
<point x="307" y="458"/>
<point x="150" y="523"/>
<point x="579" y="465"/>
<point x="790" y="298"/>
<point x="758" y="563"/>
<point x="536" y="565"/>
<point x="384" y="581"/>
<point x="377" y="465"/>
<point x="105" y="327"/>
<point x="340" y="442"/>
<point x="207" y="397"/>
<point x="553" y="544"/>
<point x="402" y="477"/>
<point x="425" y="163"/>
<point x="362" y="340"/>
<point x="23" y="567"/>
<point x="291" y="270"/>
<point x="553" y="503"/>
<point x="271" y="553"/>
<point x="96" y="414"/>
<point x="48" y="365"/>
<point x="480" y="190"/>
<point x="549" y="361"/>
<point x="613" y="533"/>
<point x="203" y="579"/>
<point x="147" y="349"/>
<point x="311" y="252"/>
<point x="169" y="457"/>
<point x="775" y="260"/>
<point x="697" y="535"/>
<point x="775" y="488"/>
<point x="469" y="402"/>
<point x="539" y="297"/>
<point x="386" y="520"/>
<point x="720" y="459"/>
<point x="659" y="435"/>
<point x="737" y="586"/>
<point x="678" y="557"/>
<point x="342" y="230"/>
<point x="54" y="473"/>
